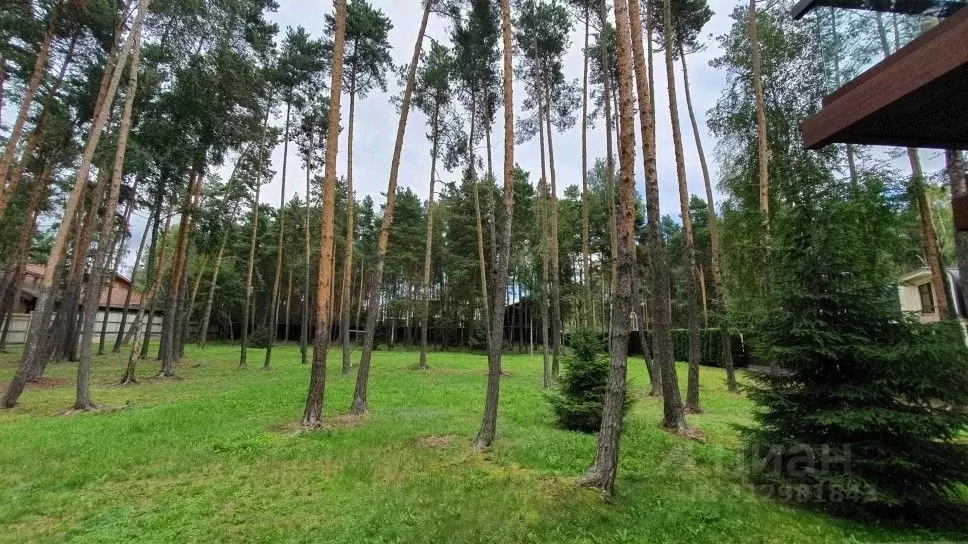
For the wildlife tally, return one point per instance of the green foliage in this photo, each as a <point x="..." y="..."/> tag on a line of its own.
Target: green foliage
<point x="579" y="399"/>
<point x="876" y="400"/>
<point x="259" y="338"/>
<point x="710" y="347"/>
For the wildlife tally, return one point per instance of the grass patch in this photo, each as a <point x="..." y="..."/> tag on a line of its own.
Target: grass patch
<point x="217" y="457"/>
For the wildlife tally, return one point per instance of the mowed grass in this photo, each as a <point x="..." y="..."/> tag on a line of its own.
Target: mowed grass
<point x="217" y="457"/>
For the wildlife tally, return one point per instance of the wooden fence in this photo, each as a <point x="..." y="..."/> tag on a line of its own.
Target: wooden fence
<point x="20" y="324"/>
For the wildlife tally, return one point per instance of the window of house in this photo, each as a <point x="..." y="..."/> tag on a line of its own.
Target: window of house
<point x="927" y="298"/>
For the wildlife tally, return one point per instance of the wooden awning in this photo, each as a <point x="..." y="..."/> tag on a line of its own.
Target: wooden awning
<point x="934" y="8"/>
<point x="916" y="97"/>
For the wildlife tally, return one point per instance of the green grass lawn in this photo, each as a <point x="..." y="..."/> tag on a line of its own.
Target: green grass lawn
<point x="216" y="457"/>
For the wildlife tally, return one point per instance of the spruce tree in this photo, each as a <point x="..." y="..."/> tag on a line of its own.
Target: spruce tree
<point x="858" y="406"/>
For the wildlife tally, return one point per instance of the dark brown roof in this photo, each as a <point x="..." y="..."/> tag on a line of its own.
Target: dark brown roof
<point x="34" y="273"/>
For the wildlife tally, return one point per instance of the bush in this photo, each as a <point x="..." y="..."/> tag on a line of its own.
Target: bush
<point x="259" y="338"/>
<point x="579" y="398"/>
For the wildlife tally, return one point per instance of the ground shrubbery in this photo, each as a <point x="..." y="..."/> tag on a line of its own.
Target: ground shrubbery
<point x="259" y="338"/>
<point x="579" y="398"/>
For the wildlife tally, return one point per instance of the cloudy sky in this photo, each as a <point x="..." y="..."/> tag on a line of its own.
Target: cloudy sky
<point x="376" y="116"/>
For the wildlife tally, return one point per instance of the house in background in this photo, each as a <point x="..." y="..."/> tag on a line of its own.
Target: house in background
<point x="917" y="296"/>
<point x="114" y="305"/>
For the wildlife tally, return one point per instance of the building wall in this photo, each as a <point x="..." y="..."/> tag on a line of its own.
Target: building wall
<point x="910" y="299"/>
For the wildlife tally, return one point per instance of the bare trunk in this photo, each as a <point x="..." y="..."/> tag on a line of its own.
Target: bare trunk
<point x="692" y="280"/>
<point x="171" y="327"/>
<point x="500" y="253"/>
<point x="344" y="327"/>
<point x="428" y="252"/>
<point x="659" y="272"/>
<point x="312" y="416"/>
<point x="762" y="150"/>
<point x="113" y="273"/>
<point x="8" y="186"/>
<point x="253" y="239"/>
<point x="478" y="224"/>
<point x="26" y="101"/>
<point x="277" y="278"/>
<point x="655" y="374"/>
<point x="144" y="308"/>
<point x="585" y="237"/>
<point x="929" y="237"/>
<point x="609" y="159"/>
<point x="601" y="475"/>
<point x="93" y="291"/>
<point x="190" y="310"/>
<point x="206" y="316"/>
<point x="158" y="269"/>
<point x="556" y="321"/>
<point x="18" y="259"/>
<point x="307" y="261"/>
<point x="727" y="356"/>
<point x="545" y="263"/>
<point x="134" y="271"/>
<point x="362" y="376"/>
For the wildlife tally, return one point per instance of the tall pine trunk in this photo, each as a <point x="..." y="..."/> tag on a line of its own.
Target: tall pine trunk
<point x="174" y="307"/>
<point x="691" y="265"/>
<point x="959" y="189"/>
<point x="277" y="279"/>
<point x="428" y="251"/>
<point x="929" y="237"/>
<point x="478" y="224"/>
<point x="307" y="262"/>
<point x="112" y="271"/>
<point x="556" y="321"/>
<point x="762" y="149"/>
<point x="585" y="236"/>
<point x="9" y="185"/>
<point x="147" y="307"/>
<point x="673" y="418"/>
<point x="105" y="240"/>
<point x="344" y="326"/>
<point x="210" y="300"/>
<point x="26" y="101"/>
<point x="119" y="339"/>
<point x="313" y="414"/>
<point x="253" y="239"/>
<point x="545" y="264"/>
<point x="500" y="254"/>
<point x="362" y="377"/>
<point x="727" y="352"/>
<point x="601" y="475"/>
